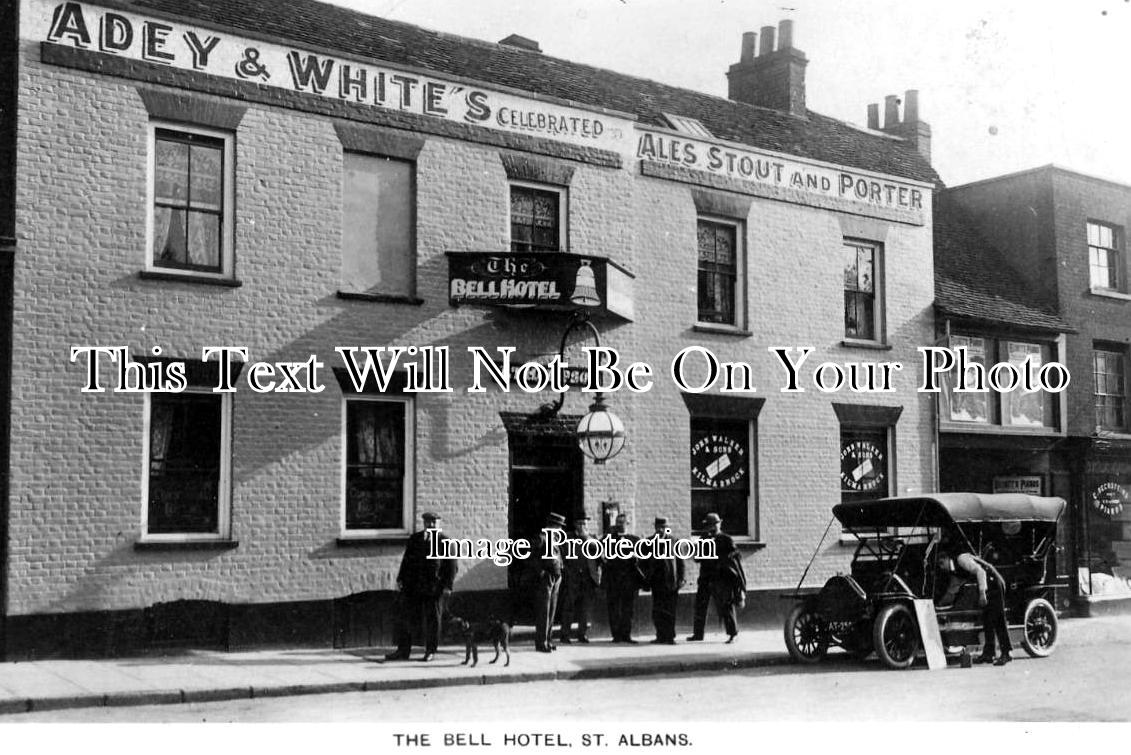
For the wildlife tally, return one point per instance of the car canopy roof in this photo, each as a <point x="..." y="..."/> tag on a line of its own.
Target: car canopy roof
<point x="944" y="508"/>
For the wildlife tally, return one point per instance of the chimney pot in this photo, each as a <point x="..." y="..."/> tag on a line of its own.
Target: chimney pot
<point x="874" y="117"/>
<point x="785" y="34"/>
<point x="891" y="111"/>
<point x="911" y="106"/>
<point x="749" y="47"/>
<point x="767" y="40"/>
<point x="521" y="42"/>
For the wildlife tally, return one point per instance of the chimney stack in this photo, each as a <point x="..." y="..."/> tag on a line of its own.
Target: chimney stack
<point x="521" y="42"/>
<point x="774" y="78"/>
<point x="910" y="128"/>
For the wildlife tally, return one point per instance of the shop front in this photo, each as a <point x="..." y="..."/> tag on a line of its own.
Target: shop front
<point x="1104" y="564"/>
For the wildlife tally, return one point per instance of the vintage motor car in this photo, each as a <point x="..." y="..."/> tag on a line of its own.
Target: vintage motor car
<point x="897" y="561"/>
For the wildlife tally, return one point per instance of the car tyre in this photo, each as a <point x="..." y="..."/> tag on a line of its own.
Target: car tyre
<point x="806" y="636"/>
<point x="895" y="636"/>
<point x="1040" y="628"/>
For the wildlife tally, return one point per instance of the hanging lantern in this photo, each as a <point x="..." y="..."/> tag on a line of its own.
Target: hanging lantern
<point x="600" y="433"/>
<point x="585" y="287"/>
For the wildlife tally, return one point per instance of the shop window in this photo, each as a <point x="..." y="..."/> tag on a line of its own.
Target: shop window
<point x="191" y="201"/>
<point x="721" y="473"/>
<point x="1018" y="408"/>
<point x="537" y="218"/>
<point x="378" y="465"/>
<point x="1106" y="567"/>
<point x="378" y="225"/>
<point x="1109" y="368"/>
<point x="187" y="465"/>
<point x="863" y="313"/>
<point x="1104" y="257"/>
<point x="719" y="262"/>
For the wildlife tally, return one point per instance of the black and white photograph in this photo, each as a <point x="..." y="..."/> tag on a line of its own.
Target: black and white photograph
<point x="517" y="375"/>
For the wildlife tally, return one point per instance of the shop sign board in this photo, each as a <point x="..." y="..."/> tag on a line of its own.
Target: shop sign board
<point x="718" y="459"/>
<point x="543" y="280"/>
<point x="1028" y="484"/>
<point x="802" y="179"/>
<point x="189" y="47"/>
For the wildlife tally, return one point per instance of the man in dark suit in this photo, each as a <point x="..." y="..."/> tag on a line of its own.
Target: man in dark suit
<point x="721" y="579"/>
<point x="549" y="566"/>
<point x="622" y="582"/>
<point x="581" y="577"/>
<point x="424" y="584"/>
<point x="665" y="577"/>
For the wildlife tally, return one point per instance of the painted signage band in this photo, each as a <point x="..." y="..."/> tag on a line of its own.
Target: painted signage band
<point x="192" y="48"/>
<point x="544" y="280"/>
<point x="779" y="172"/>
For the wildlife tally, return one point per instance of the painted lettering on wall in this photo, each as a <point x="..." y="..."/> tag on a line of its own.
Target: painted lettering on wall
<point x="176" y="45"/>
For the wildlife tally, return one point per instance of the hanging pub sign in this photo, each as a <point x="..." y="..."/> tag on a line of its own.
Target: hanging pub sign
<point x="1109" y="498"/>
<point x="545" y="281"/>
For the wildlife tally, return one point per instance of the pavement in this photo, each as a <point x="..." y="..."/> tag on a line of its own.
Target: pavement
<point x="208" y="676"/>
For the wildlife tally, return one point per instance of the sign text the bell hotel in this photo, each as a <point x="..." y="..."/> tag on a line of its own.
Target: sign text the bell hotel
<point x="370" y="84"/>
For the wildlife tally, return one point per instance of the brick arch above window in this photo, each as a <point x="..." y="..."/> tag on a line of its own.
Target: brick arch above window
<point x="725" y="407"/>
<point x="536" y="169"/>
<point x="181" y="107"/>
<point x="721" y="204"/>
<point x="863" y="415"/>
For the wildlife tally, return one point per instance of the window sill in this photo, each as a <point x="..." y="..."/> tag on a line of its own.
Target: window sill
<point x="978" y="428"/>
<point x="155" y="275"/>
<point x="1104" y="434"/>
<point x="749" y="543"/>
<point x="722" y="330"/>
<point x="354" y="541"/>
<point x="383" y="298"/>
<point x="186" y="545"/>
<point x="853" y="343"/>
<point x="1108" y="293"/>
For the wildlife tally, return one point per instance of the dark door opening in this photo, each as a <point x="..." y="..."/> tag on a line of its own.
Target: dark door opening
<point x="546" y="475"/>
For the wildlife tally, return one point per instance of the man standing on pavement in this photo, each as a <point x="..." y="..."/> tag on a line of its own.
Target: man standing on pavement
<point x="721" y="579"/>
<point x="546" y="589"/>
<point x="581" y="576"/>
<point x="622" y="580"/>
<point x="665" y="577"/>
<point x="424" y="584"/>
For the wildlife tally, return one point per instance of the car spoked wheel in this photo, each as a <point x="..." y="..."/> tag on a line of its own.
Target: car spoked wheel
<point x="895" y="636"/>
<point x="1040" y="628"/>
<point x="806" y="636"/>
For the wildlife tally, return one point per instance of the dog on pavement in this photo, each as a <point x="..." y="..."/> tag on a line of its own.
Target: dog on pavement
<point x="498" y="633"/>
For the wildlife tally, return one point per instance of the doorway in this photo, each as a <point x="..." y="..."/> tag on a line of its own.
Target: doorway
<point x="546" y="476"/>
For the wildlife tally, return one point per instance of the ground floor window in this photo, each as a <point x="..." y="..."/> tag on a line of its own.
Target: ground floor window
<point x="865" y="459"/>
<point x="1107" y="564"/>
<point x="378" y="490"/>
<point x="721" y="471"/>
<point x="186" y="488"/>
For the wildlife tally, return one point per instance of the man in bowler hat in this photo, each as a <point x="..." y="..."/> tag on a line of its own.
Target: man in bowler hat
<point x="424" y="584"/>
<point x="665" y="577"/>
<point x="721" y="579"/>
<point x="549" y="566"/>
<point x="581" y="576"/>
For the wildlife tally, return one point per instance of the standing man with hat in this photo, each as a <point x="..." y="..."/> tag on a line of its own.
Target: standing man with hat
<point x="721" y="579"/>
<point x="623" y="579"/>
<point x="581" y="577"/>
<point x="424" y="584"/>
<point x="665" y="577"/>
<point x="549" y="581"/>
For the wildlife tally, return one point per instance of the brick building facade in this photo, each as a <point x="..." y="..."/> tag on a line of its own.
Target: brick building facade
<point x="1064" y="233"/>
<point x="292" y="178"/>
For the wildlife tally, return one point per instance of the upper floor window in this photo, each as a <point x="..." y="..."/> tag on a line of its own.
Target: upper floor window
<point x="1104" y="257"/>
<point x="863" y="316"/>
<point x="191" y="222"/>
<point x="187" y="465"/>
<point x="378" y="225"/>
<point x="719" y="262"/>
<point x="537" y="218"/>
<point x="378" y="464"/>
<point x="1109" y="368"/>
<point x="1015" y="408"/>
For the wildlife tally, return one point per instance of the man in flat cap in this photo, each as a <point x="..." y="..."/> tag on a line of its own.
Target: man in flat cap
<point x="546" y="589"/>
<point x="721" y="579"/>
<point x="581" y="576"/>
<point x="424" y="584"/>
<point x="622" y="581"/>
<point x="665" y="577"/>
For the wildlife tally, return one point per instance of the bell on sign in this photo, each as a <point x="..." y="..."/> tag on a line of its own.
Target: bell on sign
<point x="600" y="433"/>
